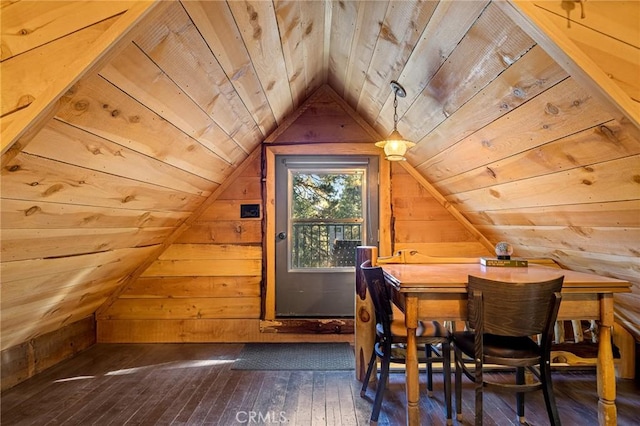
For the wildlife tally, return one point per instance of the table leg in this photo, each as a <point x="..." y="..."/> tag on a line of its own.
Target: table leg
<point x="411" y="372"/>
<point x="607" y="413"/>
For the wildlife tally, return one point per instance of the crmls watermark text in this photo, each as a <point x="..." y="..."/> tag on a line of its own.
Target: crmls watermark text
<point x="258" y="417"/>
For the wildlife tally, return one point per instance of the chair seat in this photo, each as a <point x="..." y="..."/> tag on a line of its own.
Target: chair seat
<point x="425" y="329"/>
<point x="498" y="346"/>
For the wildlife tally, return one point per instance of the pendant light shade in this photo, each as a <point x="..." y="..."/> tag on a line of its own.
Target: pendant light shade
<point x="395" y="146"/>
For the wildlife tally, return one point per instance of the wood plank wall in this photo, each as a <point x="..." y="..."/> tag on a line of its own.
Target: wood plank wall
<point x="207" y="286"/>
<point x="27" y="359"/>
<point x="514" y="141"/>
<point x="421" y="223"/>
<point x="205" y="282"/>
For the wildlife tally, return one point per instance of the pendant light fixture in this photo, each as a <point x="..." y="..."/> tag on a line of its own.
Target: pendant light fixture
<point x="395" y="145"/>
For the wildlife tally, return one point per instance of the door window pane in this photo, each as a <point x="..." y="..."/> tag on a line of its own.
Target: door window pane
<point x="326" y="218"/>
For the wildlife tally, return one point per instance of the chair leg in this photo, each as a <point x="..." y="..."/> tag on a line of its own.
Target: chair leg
<point x="520" y="379"/>
<point x="547" y="390"/>
<point x="479" y="385"/>
<point x="382" y="383"/>
<point x="367" y="376"/>
<point x="446" y="367"/>
<point x="428" y="352"/>
<point x="458" y="381"/>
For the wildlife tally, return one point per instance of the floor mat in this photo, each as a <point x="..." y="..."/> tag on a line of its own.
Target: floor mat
<point x="295" y="356"/>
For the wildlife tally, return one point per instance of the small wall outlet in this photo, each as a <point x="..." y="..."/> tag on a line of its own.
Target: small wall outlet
<point x="249" y="210"/>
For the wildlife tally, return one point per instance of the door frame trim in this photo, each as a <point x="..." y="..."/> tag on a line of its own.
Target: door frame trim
<point x="269" y="193"/>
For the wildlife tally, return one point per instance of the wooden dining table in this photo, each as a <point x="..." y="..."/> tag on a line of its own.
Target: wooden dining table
<point x="438" y="292"/>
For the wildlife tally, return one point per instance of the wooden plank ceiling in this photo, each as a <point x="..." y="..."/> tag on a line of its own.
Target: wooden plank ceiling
<point x="115" y="163"/>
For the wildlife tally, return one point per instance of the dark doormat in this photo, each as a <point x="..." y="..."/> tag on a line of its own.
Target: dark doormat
<point x="295" y="356"/>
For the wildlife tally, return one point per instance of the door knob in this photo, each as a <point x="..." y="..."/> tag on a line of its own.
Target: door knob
<point x="282" y="235"/>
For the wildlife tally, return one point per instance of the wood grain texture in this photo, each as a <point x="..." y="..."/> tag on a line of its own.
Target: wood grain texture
<point x="533" y="74"/>
<point x="18" y="214"/>
<point x="517" y="133"/>
<point x="301" y="27"/>
<point x="259" y="29"/>
<point x="541" y="27"/>
<point x="144" y="113"/>
<point x="204" y="274"/>
<point x="58" y="53"/>
<point x="172" y="381"/>
<point x="99" y="108"/>
<point x="216" y="23"/>
<point x="179" y="50"/>
<point x="488" y="48"/>
<point x="52" y="181"/>
<point x="401" y="28"/>
<point x="136" y="74"/>
<point x="61" y="142"/>
<point x="42" y="102"/>
<point x="184" y="308"/>
<point x="219" y="330"/>
<point x="604" y="182"/>
<point x="193" y="286"/>
<point x="438" y="40"/>
<point x="598" y="144"/>
<point x="23" y="244"/>
<point x="28" y="25"/>
<point x="29" y="359"/>
<point x="42" y="295"/>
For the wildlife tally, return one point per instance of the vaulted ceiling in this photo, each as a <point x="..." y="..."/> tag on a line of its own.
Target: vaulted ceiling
<point x="125" y="117"/>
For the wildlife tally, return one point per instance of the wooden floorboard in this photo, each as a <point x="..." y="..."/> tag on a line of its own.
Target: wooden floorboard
<point x="194" y="384"/>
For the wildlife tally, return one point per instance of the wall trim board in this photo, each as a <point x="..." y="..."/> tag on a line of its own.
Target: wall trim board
<point x="309" y="326"/>
<point x="202" y="331"/>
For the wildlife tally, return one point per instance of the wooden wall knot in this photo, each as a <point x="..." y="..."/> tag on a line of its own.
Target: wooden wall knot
<point x="551" y="109"/>
<point x="32" y="210"/>
<point x="81" y="105"/>
<point x="25" y="101"/>
<point x="519" y="93"/>
<point x="608" y="133"/>
<point x="364" y="315"/>
<point x="52" y="189"/>
<point x="387" y="34"/>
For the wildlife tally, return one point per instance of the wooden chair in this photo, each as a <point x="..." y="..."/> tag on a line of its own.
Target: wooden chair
<point x="391" y="332"/>
<point x="504" y="318"/>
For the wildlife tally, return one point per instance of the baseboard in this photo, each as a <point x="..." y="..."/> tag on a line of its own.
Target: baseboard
<point x="308" y="326"/>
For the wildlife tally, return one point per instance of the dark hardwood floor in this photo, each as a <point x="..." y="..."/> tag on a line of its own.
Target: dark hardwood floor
<point x="193" y="384"/>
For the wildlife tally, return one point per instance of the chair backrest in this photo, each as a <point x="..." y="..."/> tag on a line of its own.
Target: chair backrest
<point x="380" y="295"/>
<point x="513" y="309"/>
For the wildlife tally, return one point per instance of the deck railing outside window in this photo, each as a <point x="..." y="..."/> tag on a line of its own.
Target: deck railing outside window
<point x="318" y="244"/>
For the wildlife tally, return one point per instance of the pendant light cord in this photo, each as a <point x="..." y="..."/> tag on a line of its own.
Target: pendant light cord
<point x="395" y="109"/>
